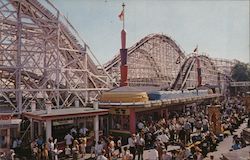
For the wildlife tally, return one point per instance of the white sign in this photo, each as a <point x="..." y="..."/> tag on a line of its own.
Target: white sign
<point x="11" y="121"/>
<point x="237" y="84"/>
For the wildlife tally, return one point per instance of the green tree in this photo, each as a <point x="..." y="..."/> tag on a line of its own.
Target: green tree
<point x="241" y="72"/>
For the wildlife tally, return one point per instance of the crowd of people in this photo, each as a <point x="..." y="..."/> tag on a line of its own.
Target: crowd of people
<point x="192" y="132"/>
<point x="179" y="137"/>
<point x="75" y="146"/>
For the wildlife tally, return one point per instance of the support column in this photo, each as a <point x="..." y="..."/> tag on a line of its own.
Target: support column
<point x="18" y="61"/>
<point x="31" y="129"/>
<point x="101" y="122"/>
<point x="132" y="120"/>
<point x="39" y="128"/>
<point x="96" y="128"/>
<point x="48" y="129"/>
<point x="107" y="124"/>
<point x="199" y="78"/>
<point x="96" y="122"/>
<point x="8" y="138"/>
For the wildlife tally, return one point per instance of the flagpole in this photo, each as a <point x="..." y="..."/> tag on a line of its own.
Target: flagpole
<point x="123" y="51"/>
<point x="123" y="22"/>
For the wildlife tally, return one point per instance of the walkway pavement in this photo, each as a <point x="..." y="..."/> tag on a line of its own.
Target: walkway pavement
<point x="226" y="144"/>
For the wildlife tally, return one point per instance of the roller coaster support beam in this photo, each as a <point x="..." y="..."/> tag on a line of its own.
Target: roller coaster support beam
<point x="199" y="78"/>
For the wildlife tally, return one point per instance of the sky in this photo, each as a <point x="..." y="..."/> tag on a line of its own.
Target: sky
<point x="219" y="28"/>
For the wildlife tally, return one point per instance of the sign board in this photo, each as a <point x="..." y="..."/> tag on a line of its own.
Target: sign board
<point x="10" y="122"/>
<point x="5" y="117"/>
<point x="214" y="118"/>
<point x="240" y="84"/>
<point x="119" y="111"/>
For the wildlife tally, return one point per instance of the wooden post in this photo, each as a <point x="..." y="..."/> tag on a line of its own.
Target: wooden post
<point x="48" y="129"/>
<point x="214" y="118"/>
<point x="247" y="103"/>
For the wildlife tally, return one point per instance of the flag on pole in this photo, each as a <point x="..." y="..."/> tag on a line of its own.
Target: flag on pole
<point x="196" y="49"/>
<point x="121" y="15"/>
<point x="178" y="60"/>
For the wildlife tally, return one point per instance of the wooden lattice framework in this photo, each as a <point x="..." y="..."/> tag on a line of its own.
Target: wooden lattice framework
<point x="153" y="61"/>
<point x="42" y="57"/>
<point x="156" y="60"/>
<point x="187" y="77"/>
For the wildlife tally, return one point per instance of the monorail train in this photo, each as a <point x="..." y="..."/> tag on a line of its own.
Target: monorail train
<point x="159" y="95"/>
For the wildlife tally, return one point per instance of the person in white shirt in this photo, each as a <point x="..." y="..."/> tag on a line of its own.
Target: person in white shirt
<point x="67" y="151"/>
<point x="151" y="154"/>
<point x="140" y="146"/>
<point x="102" y="156"/>
<point x="83" y="131"/>
<point x="14" y="145"/>
<point x="68" y="139"/>
<point x="56" y="152"/>
<point x="98" y="148"/>
<point x="164" y="138"/>
<point x="132" y="143"/>
<point x="51" y="145"/>
<point x="12" y="154"/>
<point x="111" y="146"/>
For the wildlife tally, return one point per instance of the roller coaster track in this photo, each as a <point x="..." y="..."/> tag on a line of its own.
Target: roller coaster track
<point x="181" y="79"/>
<point x="150" y="51"/>
<point x="42" y="54"/>
<point x="153" y="62"/>
<point x="210" y="73"/>
<point x="131" y="50"/>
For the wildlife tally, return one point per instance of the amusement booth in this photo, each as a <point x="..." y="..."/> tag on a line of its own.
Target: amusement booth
<point x="57" y="123"/>
<point x="129" y="106"/>
<point x="215" y="118"/>
<point x="9" y="128"/>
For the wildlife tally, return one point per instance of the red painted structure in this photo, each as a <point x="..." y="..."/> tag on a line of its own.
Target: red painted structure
<point x="124" y="56"/>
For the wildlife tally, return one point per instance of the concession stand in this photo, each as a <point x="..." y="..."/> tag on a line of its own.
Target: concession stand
<point x="127" y="106"/>
<point x="9" y="128"/>
<point x="57" y="123"/>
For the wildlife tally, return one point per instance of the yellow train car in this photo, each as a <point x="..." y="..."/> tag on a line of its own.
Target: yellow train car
<point x="124" y="97"/>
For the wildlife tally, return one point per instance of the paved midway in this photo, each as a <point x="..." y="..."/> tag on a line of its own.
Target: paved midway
<point x="226" y="144"/>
